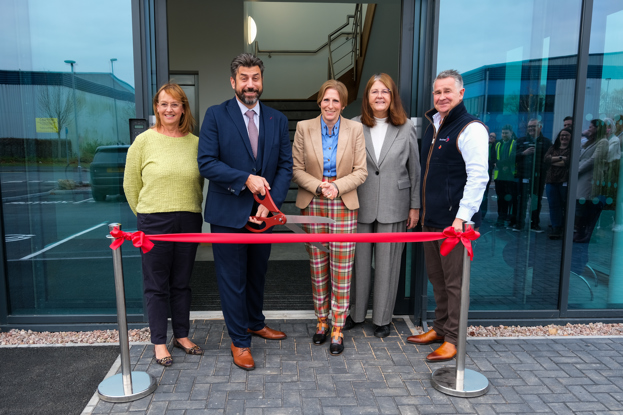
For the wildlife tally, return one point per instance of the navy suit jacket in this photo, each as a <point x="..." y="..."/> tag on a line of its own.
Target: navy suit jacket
<point x="225" y="158"/>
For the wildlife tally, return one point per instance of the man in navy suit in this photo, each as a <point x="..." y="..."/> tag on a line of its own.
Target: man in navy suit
<point x="244" y="146"/>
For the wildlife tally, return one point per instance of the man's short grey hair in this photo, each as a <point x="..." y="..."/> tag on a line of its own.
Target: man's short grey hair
<point x="246" y="60"/>
<point x="538" y="122"/>
<point x="450" y="73"/>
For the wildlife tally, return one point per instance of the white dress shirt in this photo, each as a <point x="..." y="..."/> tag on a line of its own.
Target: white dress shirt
<point x="473" y="144"/>
<point x="256" y="116"/>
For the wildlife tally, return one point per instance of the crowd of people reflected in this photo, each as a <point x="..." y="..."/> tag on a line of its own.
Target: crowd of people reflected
<point x="526" y="169"/>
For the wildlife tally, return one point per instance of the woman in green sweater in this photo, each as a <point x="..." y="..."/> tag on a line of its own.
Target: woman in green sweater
<point x="165" y="190"/>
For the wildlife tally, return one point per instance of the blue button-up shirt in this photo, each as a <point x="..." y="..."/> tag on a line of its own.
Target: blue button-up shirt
<point x="329" y="147"/>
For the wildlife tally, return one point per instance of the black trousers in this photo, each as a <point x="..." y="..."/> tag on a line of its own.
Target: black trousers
<point x="166" y="272"/>
<point x="506" y="191"/>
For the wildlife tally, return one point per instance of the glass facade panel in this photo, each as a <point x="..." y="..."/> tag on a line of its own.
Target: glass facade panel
<point x="66" y="92"/>
<point x="519" y="63"/>
<point x="597" y="264"/>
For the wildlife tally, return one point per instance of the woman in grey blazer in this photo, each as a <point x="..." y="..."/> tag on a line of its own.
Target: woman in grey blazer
<point x="389" y="200"/>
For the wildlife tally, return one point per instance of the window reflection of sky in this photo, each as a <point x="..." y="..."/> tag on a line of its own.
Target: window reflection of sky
<point x="481" y="33"/>
<point x="47" y="33"/>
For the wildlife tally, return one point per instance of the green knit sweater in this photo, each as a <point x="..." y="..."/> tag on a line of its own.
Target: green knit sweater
<point x="161" y="174"/>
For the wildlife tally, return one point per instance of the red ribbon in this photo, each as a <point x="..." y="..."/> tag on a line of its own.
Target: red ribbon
<point x="140" y="240"/>
<point x="453" y="237"/>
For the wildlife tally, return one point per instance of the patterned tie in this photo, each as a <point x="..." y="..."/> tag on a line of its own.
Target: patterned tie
<point x="253" y="133"/>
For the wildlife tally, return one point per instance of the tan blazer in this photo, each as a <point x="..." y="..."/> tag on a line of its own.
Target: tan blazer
<point x="308" y="163"/>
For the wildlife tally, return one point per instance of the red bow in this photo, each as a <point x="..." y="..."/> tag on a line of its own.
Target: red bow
<point x="453" y="237"/>
<point x="139" y="239"/>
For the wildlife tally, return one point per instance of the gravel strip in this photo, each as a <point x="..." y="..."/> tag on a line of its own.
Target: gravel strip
<point x="21" y="337"/>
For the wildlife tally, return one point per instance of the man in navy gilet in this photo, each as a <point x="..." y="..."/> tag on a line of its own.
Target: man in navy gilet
<point x="454" y="176"/>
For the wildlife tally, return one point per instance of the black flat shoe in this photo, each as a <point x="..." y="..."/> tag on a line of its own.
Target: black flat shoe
<point x="189" y="350"/>
<point x="337" y="342"/>
<point x="349" y="323"/>
<point x="382" y="331"/>
<point x="322" y="331"/>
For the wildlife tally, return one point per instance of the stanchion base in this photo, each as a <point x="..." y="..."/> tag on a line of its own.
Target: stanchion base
<point x="111" y="389"/>
<point x="474" y="383"/>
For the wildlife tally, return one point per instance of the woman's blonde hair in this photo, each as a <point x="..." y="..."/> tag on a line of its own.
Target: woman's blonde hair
<point x="187" y="122"/>
<point x="338" y="86"/>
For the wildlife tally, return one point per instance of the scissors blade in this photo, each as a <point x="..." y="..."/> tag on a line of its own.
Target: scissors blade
<point x="296" y="229"/>
<point x="308" y="219"/>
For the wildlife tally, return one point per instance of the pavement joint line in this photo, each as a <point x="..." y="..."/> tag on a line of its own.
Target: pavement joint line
<point x="95" y="398"/>
<point x="62" y="241"/>
<point x="23" y="346"/>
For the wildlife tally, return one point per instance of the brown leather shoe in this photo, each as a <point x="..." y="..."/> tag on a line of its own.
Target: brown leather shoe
<point x="268" y="333"/>
<point x="429" y="337"/>
<point x="445" y="352"/>
<point x="242" y="357"/>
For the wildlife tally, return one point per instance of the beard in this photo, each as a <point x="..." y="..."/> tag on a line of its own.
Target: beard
<point x="249" y="101"/>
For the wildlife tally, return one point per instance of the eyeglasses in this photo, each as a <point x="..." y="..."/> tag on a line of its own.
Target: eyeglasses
<point x="165" y="105"/>
<point x="380" y="91"/>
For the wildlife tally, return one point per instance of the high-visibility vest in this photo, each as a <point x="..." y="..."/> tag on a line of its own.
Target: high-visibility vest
<point x="498" y="146"/>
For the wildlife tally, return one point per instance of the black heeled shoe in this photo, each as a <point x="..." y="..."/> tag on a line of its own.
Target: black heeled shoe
<point x="382" y="331"/>
<point x="322" y="330"/>
<point x="337" y="342"/>
<point x="195" y="350"/>
<point x="349" y="323"/>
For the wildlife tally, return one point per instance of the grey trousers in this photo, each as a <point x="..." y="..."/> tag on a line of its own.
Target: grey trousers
<point x="387" y="258"/>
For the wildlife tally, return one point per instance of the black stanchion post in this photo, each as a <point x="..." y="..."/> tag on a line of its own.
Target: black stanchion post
<point x="458" y="381"/>
<point x="126" y="386"/>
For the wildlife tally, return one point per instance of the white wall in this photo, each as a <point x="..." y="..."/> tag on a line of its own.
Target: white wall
<point x="296" y="26"/>
<point x="204" y="36"/>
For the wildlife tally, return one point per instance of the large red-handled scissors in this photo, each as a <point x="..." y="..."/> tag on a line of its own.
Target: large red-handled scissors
<point x="278" y="218"/>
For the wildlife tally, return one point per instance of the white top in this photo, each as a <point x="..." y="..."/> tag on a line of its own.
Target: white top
<point x="614" y="148"/>
<point x="377" y="133"/>
<point x="473" y="144"/>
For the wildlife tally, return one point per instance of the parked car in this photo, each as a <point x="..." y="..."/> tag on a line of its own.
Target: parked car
<point x="107" y="170"/>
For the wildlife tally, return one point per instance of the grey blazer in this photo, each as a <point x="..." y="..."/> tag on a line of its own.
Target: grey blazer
<point x="393" y="183"/>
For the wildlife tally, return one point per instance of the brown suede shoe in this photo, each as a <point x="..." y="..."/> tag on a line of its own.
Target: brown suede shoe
<point x="429" y="337"/>
<point x="268" y="333"/>
<point x="242" y="357"/>
<point x="445" y="352"/>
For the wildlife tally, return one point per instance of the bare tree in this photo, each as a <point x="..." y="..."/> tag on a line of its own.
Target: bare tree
<point x="57" y="102"/>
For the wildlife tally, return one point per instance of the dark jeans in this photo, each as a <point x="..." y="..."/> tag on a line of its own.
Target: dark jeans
<point x="557" y="199"/>
<point x="166" y="272"/>
<point x="530" y="190"/>
<point x="506" y="191"/>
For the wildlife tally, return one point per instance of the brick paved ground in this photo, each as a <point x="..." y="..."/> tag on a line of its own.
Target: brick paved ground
<point x="388" y="376"/>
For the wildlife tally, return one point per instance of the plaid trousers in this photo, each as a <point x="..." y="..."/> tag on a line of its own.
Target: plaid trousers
<point x="335" y="267"/>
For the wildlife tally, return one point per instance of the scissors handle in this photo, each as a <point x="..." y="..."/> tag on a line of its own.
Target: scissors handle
<point x="277" y="217"/>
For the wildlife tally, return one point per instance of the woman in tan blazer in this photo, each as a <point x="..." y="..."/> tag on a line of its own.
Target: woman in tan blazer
<point x="329" y="164"/>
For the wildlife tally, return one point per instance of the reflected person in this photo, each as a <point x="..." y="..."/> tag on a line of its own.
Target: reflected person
<point x="593" y="157"/>
<point x="558" y="158"/>
<point x="164" y="189"/>
<point x="504" y="178"/>
<point x="531" y="172"/>
<point x="389" y="200"/>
